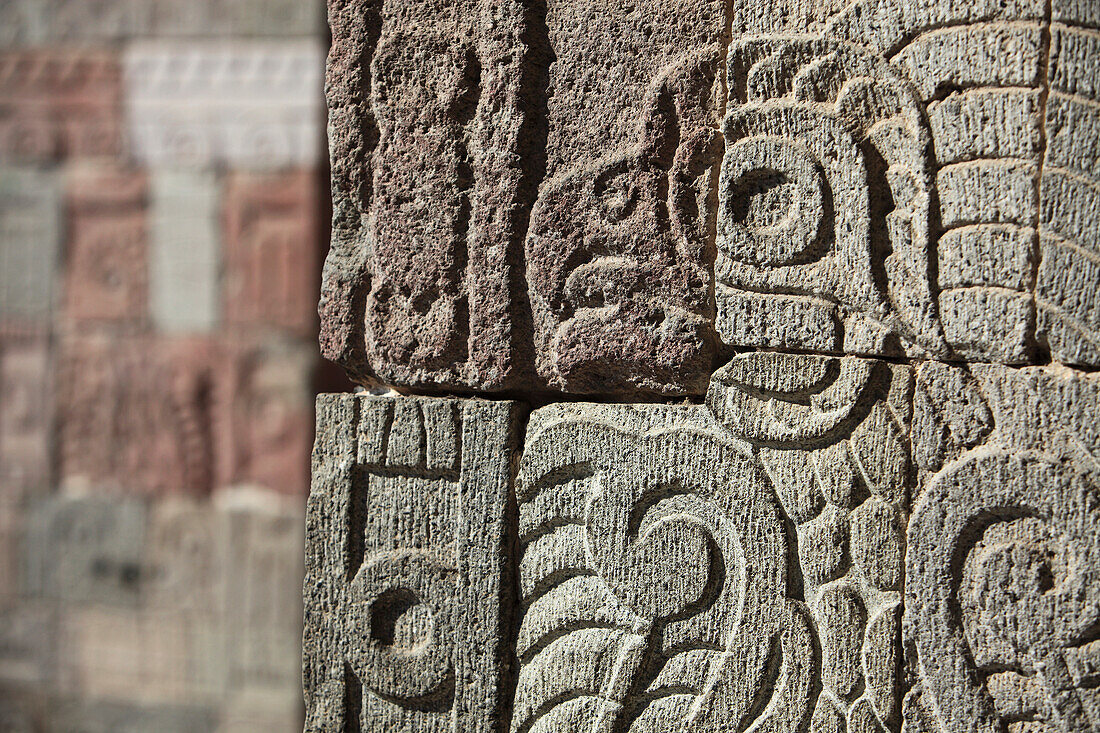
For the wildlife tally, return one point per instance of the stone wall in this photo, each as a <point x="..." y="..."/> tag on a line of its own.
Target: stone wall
<point x="774" y="329"/>
<point x="163" y="218"/>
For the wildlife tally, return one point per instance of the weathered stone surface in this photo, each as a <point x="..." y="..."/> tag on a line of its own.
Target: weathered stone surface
<point x="654" y="577"/>
<point x="664" y="584"/>
<point x="30" y="243"/>
<point x="185" y="257"/>
<point x="406" y="595"/>
<point x="1002" y="592"/>
<point x="566" y="242"/>
<point x="59" y="103"/>
<point x="249" y="104"/>
<point x="139" y="414"/>
<point x="900" y="179"/>
<point x="106" y="274"/>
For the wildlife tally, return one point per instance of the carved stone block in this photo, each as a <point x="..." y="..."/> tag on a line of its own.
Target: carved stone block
<point x="265" y="421"/>
<point x="106" y="264"/>
<point x="109" y="652"/>
<point x="566" y="244"/>
<point x="884" y="178"/>
<point x="85" y="549"/>
<point x="686" y="566"/>
<point x="30" y="242"/>
<point x="138" y="414"/>
<point x="270" y="277"/>
<point x="248" y="104"/>
<point x="57" y="104"/>
<point x="25" y="417"/>
<point x="406" y="593"/>
<point x="264" y="613"/>
<point x="1003" y="559"/>
<point x="185" y="257"/>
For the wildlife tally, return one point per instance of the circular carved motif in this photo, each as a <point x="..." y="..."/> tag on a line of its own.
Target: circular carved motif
<point x="772" y="201"/>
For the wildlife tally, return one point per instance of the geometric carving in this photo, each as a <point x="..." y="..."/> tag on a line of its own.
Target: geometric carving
<point x="654" y="577"/>
<point x="557" y="254"/>
<point x="405" y="559"/>
<point x="248" y="104"/>
<point x="1002" y="599"/>
<point x="269" y="276"/>
<point x="106" y="262"/>
<point x="59" y="103"/>
<point x="430" y="115"/>
<point x="824" y="203"/>
<point x="643" y="528"/>
<point x="832" y="435"/>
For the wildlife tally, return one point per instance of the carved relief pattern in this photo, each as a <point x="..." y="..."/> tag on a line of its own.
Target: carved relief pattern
<point x="1002" y="592"/>
<point x="404" y="545"/>
<point x="845" y="231"/>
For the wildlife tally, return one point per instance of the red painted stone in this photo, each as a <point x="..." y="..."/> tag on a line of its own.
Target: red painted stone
<point x="271" y="257"/>
<point x="56" y="104"/>
<point x="106" y="276"/>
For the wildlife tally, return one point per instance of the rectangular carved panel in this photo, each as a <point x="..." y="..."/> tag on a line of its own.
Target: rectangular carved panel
<point x="406" y="593"/>
<point x="270" y="277"/>
<point x="694" y="566"/>
<point x="55" y="104"/>
<point x="247" y="104"/>
<point x="1003" y="562"/>
<point x="508" y="217"/>
<point x="106" y="274"/>
<point x="872" y="178"/>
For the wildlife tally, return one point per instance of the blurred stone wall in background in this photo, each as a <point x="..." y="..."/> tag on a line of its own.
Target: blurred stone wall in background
<point x="163" y="217"/>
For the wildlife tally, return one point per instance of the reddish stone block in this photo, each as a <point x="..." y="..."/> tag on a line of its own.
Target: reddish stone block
<point x="272" y="250"/>
<point x="25" y="417"/>
<point x="107" y="264"/>
<point x="269" y="423"/>
<point x="57" y="104"/>
<point x="137" y="414"/>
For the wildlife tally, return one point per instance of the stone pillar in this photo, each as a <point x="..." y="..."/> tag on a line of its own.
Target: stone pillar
<point x="795" y="309"/>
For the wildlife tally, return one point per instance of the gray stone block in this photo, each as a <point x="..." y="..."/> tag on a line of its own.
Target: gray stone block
<point x="185" y="252"/>
<point x="94" y="716"/>
<point x="1003" y="560"/>
<point x="86" y="549"/>
<point x="692" y="566"/>
<point x="406" y="591"/>
<point x="30" y="243"/>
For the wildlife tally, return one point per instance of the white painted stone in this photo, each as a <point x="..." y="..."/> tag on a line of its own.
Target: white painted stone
<point x="185" y="251"/>
<point x="248" y="104"/>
